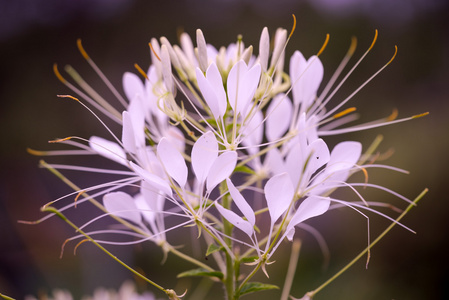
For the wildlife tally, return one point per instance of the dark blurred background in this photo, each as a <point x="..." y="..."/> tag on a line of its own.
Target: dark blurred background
<point x="34" y="34"/>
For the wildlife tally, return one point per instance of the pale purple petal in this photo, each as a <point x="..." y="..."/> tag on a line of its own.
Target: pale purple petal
<point x="241" y="203"/>
<point x="108" y="149"/>
<point x="122" y="205"/>
<point x="311" y="207"/>
<point x="319" y="156"/>
<point x="221" y="169"/>
<point x="155" y="181"/>
<point x="212" y="89"/>
<point x="275" y="162"/>
<point x="128" y="137"/>
<point x="173" y="161"/>
<point x="204" y="153"/>
<point x="132" y="85"/>
<point x="235" y="220"/>
<point x="279" y="193"/>
<point x="344" y="156"/>
<point x="241" y="85"/>
<point x="279" y="116"/>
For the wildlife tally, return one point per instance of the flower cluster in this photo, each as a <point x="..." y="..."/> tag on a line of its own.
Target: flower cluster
<point x="223" y="140"/>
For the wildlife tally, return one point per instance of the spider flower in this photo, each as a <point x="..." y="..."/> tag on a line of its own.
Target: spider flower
<point x="214" y="138"/>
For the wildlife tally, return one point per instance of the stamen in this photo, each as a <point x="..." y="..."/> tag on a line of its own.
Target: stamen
<point x="141" y="71"/>
<point x="154" y="52"/>
<point x="100" y="74"/>
<point x="293" y="27"/>
<point x="324" y="45"/>
<point x="343" y="113"/>
<point x="58" y="75"/>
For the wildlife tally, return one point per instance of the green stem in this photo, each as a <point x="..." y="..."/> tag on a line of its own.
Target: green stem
<point x="227" y="230"/>
<point x="189" y="259"/>
<point x="314" y="292"/>
<point x="6" y="297"/>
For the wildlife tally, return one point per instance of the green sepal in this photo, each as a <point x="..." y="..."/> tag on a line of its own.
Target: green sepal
<point x="201" y="272"/>
<point x="252" y="287"/>
<point x="213" y="248"/>
<point x="245" y="169"/>
<point x="249" y="259"/>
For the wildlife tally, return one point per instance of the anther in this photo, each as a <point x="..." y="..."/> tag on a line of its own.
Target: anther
<point x="393" y="115"/>
<point x="68" y="96"/>
<point x="154" y="52"/>
<point x="293" y="27"/>
<point x="374" y="40"/>
<point x="78" y="195"/>
<point x="58" y="75"/>
<point x="60" y="140"/>
<point x="138" y="68"/>
<point x="81" y="49"/>
<point x="324" y="45"/>
<point x="420" y="115"/>
<point x="343" y="113"/>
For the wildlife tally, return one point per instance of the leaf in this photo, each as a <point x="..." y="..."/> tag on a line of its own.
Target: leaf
<point x="201" y="272"/>
<point x="252" y="287"/>
<point x="213" y="248"/>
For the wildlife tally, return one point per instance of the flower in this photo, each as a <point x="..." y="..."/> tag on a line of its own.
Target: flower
<point x="214" y="139"/>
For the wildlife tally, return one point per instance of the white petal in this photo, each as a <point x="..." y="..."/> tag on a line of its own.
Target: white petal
<point x="241" y="85"/>
<point x="173" y="161"/>
<point x="311" y="207"/>
<point x="142" y="204"/>
<point x="132" y="85"/>
<point x="264" y="49"/>
<point x="275" y="162"/>
<point x="221" y="169"/>
<point x="319" y="156"/>
<point x="253" y="132"/>
<point x="235" y="220"/>
<point x="279" y="194"/>
<point x="212" y="89"/>
<point x="128" y="137"/>
<point x="204" y="153"/>
<point x="108" y="149"/>
<point x="155" y="181"/>
<point x="344" y="156"/>
<point x="279" y="115"/>
<point x="122" y="205"/>
<point x="241" y="202"/>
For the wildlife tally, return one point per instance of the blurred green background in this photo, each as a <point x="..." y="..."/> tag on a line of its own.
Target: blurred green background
<point x="34" y="34"/>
